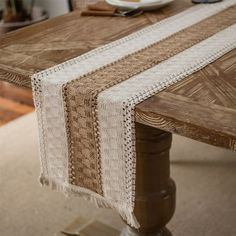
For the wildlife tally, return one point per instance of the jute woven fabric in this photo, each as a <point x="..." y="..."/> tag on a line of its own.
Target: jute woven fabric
<point x="91" y="152"/>
<point x="81" y="94"/>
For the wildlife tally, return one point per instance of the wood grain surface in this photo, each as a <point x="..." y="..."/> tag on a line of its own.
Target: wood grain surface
<point x="202" y="107"/>
<point x="15" y="101"/>
<point x="41" y="46"/>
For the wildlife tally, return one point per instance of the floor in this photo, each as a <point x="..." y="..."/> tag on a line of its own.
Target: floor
<point x="205" y="177"/>
<point x="15" y="101"/>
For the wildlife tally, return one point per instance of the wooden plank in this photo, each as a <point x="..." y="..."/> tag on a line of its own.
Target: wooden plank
<point x="7" y="115"/>
<point x="10" y="110"/>
<point x="14" y="102"/>
<point x="15" y="106"/>
<point x="43" y="45"/>
<point x="16" y="93"/>
<point x="202" y="107"/>
<point x="215" y="125"/>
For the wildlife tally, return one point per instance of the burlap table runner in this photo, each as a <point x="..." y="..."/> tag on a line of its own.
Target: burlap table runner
<point x="85" y="106"/>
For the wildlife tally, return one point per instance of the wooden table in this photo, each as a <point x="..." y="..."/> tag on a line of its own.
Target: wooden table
<point x="201" y="107"/>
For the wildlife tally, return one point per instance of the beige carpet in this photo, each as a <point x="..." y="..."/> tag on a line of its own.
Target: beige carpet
<point x="205" y="176"/>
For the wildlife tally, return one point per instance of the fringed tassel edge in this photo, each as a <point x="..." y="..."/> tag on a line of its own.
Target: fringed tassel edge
<point x="99" y="201"/>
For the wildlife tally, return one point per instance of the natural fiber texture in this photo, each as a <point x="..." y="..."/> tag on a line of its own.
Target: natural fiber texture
<point x="81" y="94"/>
<point x="85" y="106"/>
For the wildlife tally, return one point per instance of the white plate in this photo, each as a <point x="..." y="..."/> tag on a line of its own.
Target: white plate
<point x="142" y="4"/>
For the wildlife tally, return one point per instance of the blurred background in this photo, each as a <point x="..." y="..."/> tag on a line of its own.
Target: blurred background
<point x="53" y="7"/>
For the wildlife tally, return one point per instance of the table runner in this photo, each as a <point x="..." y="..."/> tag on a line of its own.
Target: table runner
<point x="85" y="106"/>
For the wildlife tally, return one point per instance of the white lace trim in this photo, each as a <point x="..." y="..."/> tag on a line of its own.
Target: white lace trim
<point x="47" y="86"/>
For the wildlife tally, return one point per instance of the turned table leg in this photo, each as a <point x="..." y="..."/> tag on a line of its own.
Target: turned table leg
<point x="155" y="190"/>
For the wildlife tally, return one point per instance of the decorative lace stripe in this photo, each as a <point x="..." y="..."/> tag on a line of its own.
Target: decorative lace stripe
<point x="81" y="99"/>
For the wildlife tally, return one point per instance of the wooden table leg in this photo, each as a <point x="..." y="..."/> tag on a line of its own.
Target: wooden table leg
<point x="155" y="190"/>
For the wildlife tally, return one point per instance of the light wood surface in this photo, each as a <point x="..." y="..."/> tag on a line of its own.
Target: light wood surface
<point x="202" y="107"/>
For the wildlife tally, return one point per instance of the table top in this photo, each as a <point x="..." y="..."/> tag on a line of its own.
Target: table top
<point x="201" y="107"/>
